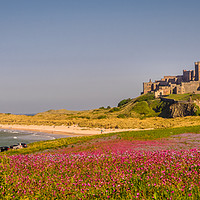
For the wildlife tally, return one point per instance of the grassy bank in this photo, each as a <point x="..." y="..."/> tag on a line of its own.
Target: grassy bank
<point x="184" y="97"/>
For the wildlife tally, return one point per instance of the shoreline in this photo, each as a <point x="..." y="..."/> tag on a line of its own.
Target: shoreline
<point x="65" y="130"/>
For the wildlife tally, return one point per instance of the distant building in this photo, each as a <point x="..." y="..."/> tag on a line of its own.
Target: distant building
<point x="189" y="82"/>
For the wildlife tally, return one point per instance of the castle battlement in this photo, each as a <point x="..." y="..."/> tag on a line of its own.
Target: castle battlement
<point x="188" y="82"/>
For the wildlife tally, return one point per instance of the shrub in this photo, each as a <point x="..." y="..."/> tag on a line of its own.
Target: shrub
<point x="145" y="97"/>
<point x="157" y="105"/>
<point x="102" y="108"/>
<point x="123" y="116"/>
<point x="124" y="102"/>
<point x="114" y="109"/>
<point x="197" y="112"/>
<point x="102" y="117"/>
<point x="142" y="108"/>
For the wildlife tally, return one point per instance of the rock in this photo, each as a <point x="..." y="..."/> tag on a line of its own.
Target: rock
<point x="182" y="109"/>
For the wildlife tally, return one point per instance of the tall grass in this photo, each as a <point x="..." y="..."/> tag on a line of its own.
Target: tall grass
<point x="110" y="122"/>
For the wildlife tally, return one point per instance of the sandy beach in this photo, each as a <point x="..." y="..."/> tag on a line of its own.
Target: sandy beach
<point x="65" y="130"/>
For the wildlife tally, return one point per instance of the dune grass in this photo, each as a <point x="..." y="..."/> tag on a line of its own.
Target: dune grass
<point x="113" y="120"/>
<point x="141" y="112"/>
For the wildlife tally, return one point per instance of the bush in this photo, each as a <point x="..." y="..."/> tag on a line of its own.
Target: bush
<point x="145" y="97"/>
<point x="158" y="105"/>
<point x="114" y="109"/>
<point x="124" y="102"/>
<point x="123" y="116"/>
<point x="142" y="108"/>
<point x="102" y="108"/>
<point x="197" y="112"/>
<point x="102" y="117"/>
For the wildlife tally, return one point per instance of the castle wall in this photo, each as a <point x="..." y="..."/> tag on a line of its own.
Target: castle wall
<point x="178" y="89"/>
<point x="189" y="82"/>
<point x="147" y="87"/>
<point x="179" y="79"/>
<point x="187" y="76"/>
<point x="172" y="88"/>
<point x="191" y="87"/>
<point x="166" y="90"/>
<point x="154" y="86"/>
<point x="197" y="71"/>
<point x="193" y="75"/>
<point x="169" y="77"/>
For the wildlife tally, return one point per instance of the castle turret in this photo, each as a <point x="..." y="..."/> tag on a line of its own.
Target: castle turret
<point x="197" y="71"/>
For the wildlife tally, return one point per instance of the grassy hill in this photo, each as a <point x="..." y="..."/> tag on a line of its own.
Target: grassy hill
<point x="142" y="106"/>
<point x="142" y="112"/>
<point x="184" y="97"/>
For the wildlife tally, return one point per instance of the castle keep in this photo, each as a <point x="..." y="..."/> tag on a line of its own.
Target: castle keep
<point x="189" y="82"/>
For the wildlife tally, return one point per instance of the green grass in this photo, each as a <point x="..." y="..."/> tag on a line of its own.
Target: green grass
<point x="124" y="102"/>
<point x="145" y="97"/>
<point x="130" y="135"/>
<point x="143" y="108"/>
<point x="183" y="97"/>
<point x="158" y="133"/>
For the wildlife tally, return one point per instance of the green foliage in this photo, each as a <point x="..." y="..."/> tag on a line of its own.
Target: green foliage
<point x="102" y="117"/>
<point x="151" y="108"/>
<point x="158" y="105"/>
<point x="145" y="97"/>
<point x="123" y="115"/>
<point x="79" y="117"/>
<point x="124" y="102"/>
<point x="102" y="108"/>
<point x="158" y="133"/>
<point x="197" y="112"/>
<point x="184" y="97"/>
<point x="195" y="96"/>
<point x="143" y="108"/>
<point x="114" y="109"/>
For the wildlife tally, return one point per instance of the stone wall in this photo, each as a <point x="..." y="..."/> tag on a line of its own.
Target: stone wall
<point x="190" y="87"/>
<point x="189" y="82"/>
<point x="147" y="87"/>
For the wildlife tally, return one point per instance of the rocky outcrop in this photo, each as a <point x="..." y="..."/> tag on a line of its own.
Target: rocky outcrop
<point x="182" y="109"/>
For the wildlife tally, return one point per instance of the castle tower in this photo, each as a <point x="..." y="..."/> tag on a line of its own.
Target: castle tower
<point x="197" y="71"/>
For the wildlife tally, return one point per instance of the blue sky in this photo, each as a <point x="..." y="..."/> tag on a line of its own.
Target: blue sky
<point x="79" y="55"/>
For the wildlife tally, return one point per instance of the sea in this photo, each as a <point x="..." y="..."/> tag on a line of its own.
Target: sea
<point x="10" y="137"/>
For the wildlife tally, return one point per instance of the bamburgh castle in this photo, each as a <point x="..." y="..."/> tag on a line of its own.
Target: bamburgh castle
<point x="189" y="82"/>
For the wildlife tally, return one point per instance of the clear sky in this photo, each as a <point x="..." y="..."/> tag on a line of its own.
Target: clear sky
<point x="84" y="54"/>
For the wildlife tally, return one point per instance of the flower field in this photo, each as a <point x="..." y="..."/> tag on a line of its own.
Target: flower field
<point x="113" y="169"/>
